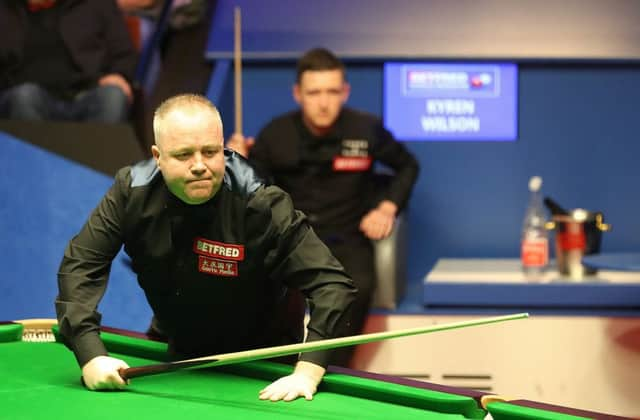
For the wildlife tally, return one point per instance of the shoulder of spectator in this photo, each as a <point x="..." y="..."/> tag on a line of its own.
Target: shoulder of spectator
<point x="281" y="121"/>
<point x="279" y="126"/>
<point x="361" y="115"/>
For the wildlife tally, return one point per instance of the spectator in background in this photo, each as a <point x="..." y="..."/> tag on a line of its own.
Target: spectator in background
<point x="182" y="64"/>
<point x="323" y="156"/>
<point x="65" y="60"/>
<point x="184" y="68"/>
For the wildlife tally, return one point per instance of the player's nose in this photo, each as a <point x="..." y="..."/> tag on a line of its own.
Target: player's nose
<point x="198" y="164"/>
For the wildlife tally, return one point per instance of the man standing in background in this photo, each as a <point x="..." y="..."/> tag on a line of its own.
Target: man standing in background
<point x="323" y="155"/>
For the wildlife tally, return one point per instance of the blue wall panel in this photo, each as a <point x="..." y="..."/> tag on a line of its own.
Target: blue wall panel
<point x="45" y="201"/>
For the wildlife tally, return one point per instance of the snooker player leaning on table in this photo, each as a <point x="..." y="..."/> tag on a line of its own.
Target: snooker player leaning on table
<point x="215" y="251"/>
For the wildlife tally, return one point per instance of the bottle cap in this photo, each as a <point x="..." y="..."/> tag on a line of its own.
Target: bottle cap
<point x="535" y="183"/>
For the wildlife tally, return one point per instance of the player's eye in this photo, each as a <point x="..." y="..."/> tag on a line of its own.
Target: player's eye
<point x="210" y="153"/>
<point x="182" y="156"/>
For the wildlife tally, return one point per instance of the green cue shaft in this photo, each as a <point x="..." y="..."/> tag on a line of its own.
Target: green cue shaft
<point x="269" y="352"/>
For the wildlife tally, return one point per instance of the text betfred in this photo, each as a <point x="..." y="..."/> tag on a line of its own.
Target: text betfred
<point x="351" y="163"/>
<point x="218" y="249"/>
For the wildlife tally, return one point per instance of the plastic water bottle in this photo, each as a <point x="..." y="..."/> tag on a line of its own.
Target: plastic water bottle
<point x="534" y="252"/>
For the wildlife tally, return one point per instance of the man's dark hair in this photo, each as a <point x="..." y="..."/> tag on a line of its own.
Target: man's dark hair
<point x="318" y="59"/>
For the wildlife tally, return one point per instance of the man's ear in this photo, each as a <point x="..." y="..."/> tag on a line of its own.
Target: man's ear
<point x="155" y="152"/>
<point x="346" y="91"/>
<point x="296" y="93"/>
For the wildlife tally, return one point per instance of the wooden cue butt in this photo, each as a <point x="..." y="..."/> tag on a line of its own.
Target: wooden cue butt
<point x="237" y="69"/>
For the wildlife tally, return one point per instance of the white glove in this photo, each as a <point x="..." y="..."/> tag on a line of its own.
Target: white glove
<point x="101" y="372"/>
<point x="303" y="382"/>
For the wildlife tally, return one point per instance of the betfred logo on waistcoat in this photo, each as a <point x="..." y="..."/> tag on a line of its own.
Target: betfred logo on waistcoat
<point x="351" y="163"/>
<point x="354" y="156"/>
<point x="218" y="250"/>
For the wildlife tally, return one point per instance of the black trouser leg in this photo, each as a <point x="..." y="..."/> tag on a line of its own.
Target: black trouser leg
<point x="357" y="259"/>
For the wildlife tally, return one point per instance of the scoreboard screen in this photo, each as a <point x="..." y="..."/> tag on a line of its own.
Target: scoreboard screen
<point x="451" y="101"/>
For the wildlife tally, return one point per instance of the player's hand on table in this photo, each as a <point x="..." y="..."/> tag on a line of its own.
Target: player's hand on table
<point x="240" y="144"/>
<point x="303" y="382"/>
<point x="101" y="372"/>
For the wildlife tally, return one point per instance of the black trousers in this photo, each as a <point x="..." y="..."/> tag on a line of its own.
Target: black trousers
<point x="356" y="255"/>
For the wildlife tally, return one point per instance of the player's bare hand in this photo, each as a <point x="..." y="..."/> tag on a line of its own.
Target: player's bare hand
<point x="240" y="144"/>
<point x="116" y="79"/>
<point x="378" y="223"/>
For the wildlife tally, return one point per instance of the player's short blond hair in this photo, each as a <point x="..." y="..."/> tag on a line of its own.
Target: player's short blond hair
<point x="187" y="103"/>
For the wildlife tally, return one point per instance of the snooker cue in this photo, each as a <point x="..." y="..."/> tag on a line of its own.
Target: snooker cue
<point x="237" y="68"/>
<point x="269" y="352"/>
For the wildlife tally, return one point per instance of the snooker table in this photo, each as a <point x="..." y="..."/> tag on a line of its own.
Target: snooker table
<point x="40" y="379"/>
